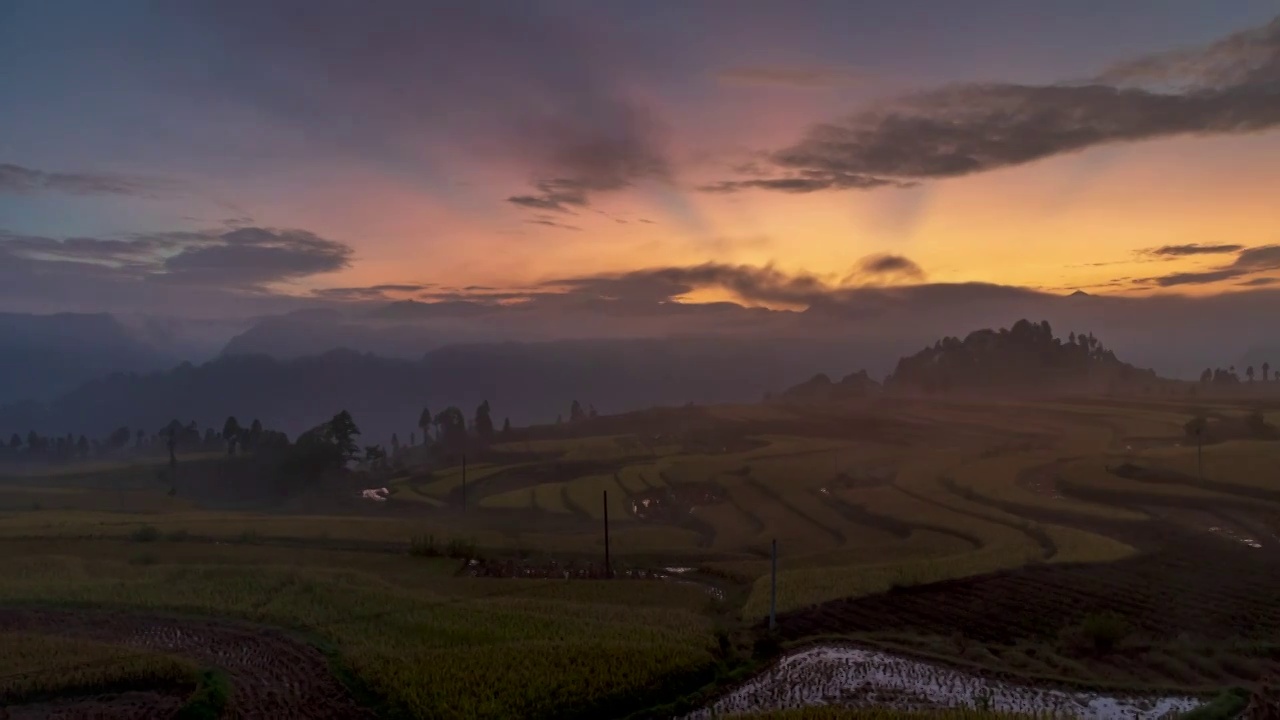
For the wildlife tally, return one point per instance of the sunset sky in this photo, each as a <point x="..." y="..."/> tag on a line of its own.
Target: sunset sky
<point x="435" y="150"/>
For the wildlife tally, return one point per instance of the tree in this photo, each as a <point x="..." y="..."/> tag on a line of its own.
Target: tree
<point x="395" y="445"/>
<point x="484" y="423"/>
<point x="15" y="441"/>
<point x="375" y="456"/>
<point x="506" y="427"/>
<point x="231" y="434"/>
<point x="591" y="412"/>
<point x="1207" y="376"/>
<point x="1266" y="371"/>
<point x="451" y="427"/>
<point x="141" y="437"/>
<point x="82" y="447"/>
<point x="1248" y="372"/>
<point x="343" y="431"/>
<point x="575" y="411"/>
<point x="1071" y="338"/>
<point x="119" y="438"/>
<point x="253" y="439"/>
<point x="424" y="424"/>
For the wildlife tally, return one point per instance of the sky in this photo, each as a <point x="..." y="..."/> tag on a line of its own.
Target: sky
<point x="228" y="156"/>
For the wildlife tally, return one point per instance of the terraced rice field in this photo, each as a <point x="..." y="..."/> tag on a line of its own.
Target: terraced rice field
<point x="975" y="535"/>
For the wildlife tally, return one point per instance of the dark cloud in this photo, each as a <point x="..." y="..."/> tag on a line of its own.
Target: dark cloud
<point x="1173" y="251"/>
<point x="1263" y="257"/>
<point x="242" y="258"/>
<point x="526" y="83"/>
<point x="805" y="182"/>
<point x="755" y="284"/>
<point x="370" y="292"/>
<point x="553" y="223"/>
<point x="885" y="266"/>
<point x="578" y="160"/>
<point x="1194" y="278"/>
<point x="808" y="77"/>
<point x="966" y="129"/>
<point x="1259" y="282"/>
<point x="758" y="284"/>
<point x="1248" y="261"/>
<point x="25" y="181"/>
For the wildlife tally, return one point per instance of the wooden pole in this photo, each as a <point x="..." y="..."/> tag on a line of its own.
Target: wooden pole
<point x="608" y="568"/>
<point x="773" y="588"/>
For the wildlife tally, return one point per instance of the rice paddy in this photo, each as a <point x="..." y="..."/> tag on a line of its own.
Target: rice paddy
<point x="867" y="505"/>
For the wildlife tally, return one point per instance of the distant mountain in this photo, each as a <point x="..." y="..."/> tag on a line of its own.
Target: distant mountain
<point x="528" y="382"/>
<point x="46" y="355"/>
<point x="1023" y="358"/>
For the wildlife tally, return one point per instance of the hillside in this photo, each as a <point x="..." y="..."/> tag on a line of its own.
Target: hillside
<point x="1024" y="358"/>
<point x="45" y="355"/>
<point x="527" y="382"/>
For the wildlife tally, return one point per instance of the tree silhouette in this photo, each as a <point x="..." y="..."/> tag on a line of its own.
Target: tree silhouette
<point x="591" y="411"/>
<point x="82" y="447"/>
<point x="395" y="444"/>
<point x="1207" y="376"/>
<point x="483" y="422"/>
<point x="231" y="434"/>
<point x="506" y="428"/>
<point x="575" y="411"/>
<point x="424" y="424"/>
<point x="452" y="427"/>
<point x="343" y="430"/>
<point x="15" y="442"/>
<point x="1248" y="372"/>
<point x="375" y="456"/>
<point x="1266" y="371"/>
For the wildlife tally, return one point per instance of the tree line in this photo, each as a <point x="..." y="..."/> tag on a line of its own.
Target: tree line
<point x="1219" y="376"/>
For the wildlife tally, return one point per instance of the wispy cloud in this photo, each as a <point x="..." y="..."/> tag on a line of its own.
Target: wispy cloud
<point x="791" y="76"/>
<point x="244" y="257"/>
<point x="1250" y="261"/>
<point x="1230" y="87"/>
<point x="1176" y="251"/>
<point x="21" y="180"/>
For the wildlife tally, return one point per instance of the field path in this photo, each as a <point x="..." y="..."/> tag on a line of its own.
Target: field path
<point x="272" y="675"/>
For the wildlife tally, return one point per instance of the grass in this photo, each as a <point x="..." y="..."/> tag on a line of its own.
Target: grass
<point x="39" y="667"/>
<point x="421" y="646"/>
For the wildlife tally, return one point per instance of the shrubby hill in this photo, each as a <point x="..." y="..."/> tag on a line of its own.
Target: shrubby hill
<point x="821" y="388"/>
<point x="1024" y="358"/>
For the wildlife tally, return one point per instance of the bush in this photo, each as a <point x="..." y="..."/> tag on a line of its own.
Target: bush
<point x="209" y="701"/>
<point x="426" y="546"/>
<point x="146" y="533"/>
<point x="464" y="549"/>
<point x="1101" y="632"/>
<point x="423" y="546"/>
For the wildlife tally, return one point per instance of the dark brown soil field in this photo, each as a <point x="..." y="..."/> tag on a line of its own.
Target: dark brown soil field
<point x="272" y="675"/>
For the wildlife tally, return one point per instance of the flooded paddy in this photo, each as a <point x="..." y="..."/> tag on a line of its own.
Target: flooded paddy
<point x="856" y="677"/>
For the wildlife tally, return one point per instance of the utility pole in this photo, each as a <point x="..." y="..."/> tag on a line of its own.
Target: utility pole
<point x="773" y="588"/>
<point x="608" y="568"/>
